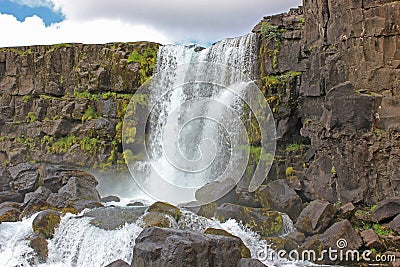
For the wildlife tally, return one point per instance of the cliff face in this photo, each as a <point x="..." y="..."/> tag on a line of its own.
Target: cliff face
<point x="347" y="114"/>
<point x="64" y="104"/>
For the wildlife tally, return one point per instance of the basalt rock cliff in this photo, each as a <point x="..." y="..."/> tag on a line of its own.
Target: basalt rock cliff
<point x="329" y="69"/>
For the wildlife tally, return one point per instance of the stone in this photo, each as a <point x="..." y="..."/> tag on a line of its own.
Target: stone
<point x="347" y="210"/>
<point x="387" y="209"/>
<point x="157" y="219"/>
<point x="9" y="214"/>
<point x="40" y="247"/>
<point x="279" y="196"/>
<point x="371" y="240"/>
<point x="316" y="217"/>
<point x="11" y="197"/>
<point x="111" y="218"/>
<point x="207" y="210"/>
<point x="34" y="206"/>
<point x="297" y="237"/>
<point x="250" y="263"/>
<point x="171" y="247"/>
<point x="118" y="263"/>
<point x="341" y="236"/>
<point x="260" y="220"/>
<point x="46" y="222"/>
<point x="41" y="193"/>
<point x="247" y="199"/>
<point x="395" y="224"/>
<point x="165" y="208"/>
<point x="245" y="251"/>
<point x="135" y="204"/>
<point x="110" y="199"/>
<point x="220" y="192"/>
<point x="80" y="189"/>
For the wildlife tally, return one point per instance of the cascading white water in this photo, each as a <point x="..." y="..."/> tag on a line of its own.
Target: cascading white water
<point x="195" y="132"/>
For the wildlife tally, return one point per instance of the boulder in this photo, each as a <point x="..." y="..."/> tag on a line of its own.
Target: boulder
<point x="110" y="199"/>
<point x="261" y="220"/>
<point x="165" y="208"/>
<point x="247" y="199"/>
<point x="371" y="240"/>
<point x="250" y="263"/>
<point x="11" y="197"/>
<point x="297" y="237"/>
<point x="245" y="251"/>
<point x="25" y="177"/>
<point x="118" y="263"/>
<point x="387" y="209"/>
<point x="279" y="196"/>
<point x="170" y="247"/>
<point x="41" y="193"/>
<point x="316" y="217"/>
<point x="157" y="219"/>
<point x="395" y="224"/>
<point x="34" y="206"/>
<point x="46" y="222"/>
<point x="220" y="192"/>
<point x="341" y="236"/>
<point x="207" y="210"/>
<point x="80" y="187"/>
<point x="9" y="214"/>
<point x="135" y="204"/>
<point x="39" y="245"/>
<point x="347" y="210"/>
<point x="111" y="218"/>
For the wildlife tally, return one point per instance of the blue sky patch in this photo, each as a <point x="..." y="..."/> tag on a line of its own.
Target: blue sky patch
<point x="21" y="12"/>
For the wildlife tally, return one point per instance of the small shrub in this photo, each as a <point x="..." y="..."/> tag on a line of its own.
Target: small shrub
<point x="90" y="114"/>
<point x="293" y="147"/>
<point x="26" y="98"/>
<point x="31" y="117"/>
<point x="289" y="171"/>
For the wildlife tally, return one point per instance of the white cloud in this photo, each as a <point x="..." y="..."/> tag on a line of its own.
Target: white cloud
<point x="33" y="31"/>
<point x="93" y="21"/>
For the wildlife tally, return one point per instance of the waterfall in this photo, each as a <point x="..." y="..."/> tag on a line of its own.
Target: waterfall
<point x="196" y="132"/>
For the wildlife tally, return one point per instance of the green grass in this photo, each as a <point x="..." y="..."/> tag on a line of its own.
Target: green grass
<point x="31" y="117"/>
<point x="293" y="147"/>
<point x="90" y="114"/>
<point x="26" y="98"/>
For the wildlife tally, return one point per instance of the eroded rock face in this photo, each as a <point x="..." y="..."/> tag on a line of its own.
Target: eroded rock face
<point x="171" y="247"/>
<point x="46" y="222"/>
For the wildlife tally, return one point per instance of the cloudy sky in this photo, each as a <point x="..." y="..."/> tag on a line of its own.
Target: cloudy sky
<point x="29" y="22"/>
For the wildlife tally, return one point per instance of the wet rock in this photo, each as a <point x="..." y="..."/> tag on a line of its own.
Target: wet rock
<point x="207" y="210"/>
<point x="46" y="222"/>
<point x="11" y="197"/>
<point x="15" y="205"/>
<point x="247" y="199"/>
<point x="282" y="243"/>
<point x="165" y="208"/>
<point x="118" y="263"/>
<point x="220" y="192"/>
<point x="171" y="247"/>
<point x="250" y="263"/>
<point x="340" y="236"/>
<point x="371" y="239"/>
<point x="297" y="237"/>
<point x="387" y="209"/>
<point x="157" y="219"/>
<point x="80" y="190"/>
<point x="395" y="224"/>
<point x="245" y="251"/>
<point x="111" y="218"/>
<point x="280" y="197"/>
<point x="316" y="217"/>
<point x="261" y="220"/>
<point x="110" y="199"/>
<point x="41" y="193"/>
<point x="40" y="247"/>
<point x="136" y="204"/>
<point x="82" y="204"/>
<point x="9" y="214"/>
<point x="34" y="206"/>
